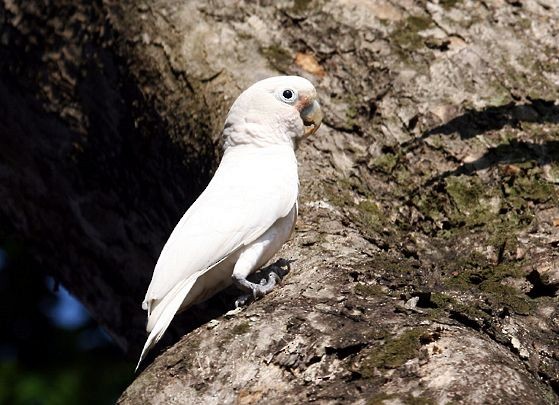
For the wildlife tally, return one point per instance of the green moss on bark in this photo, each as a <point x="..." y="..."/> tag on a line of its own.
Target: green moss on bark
<point x="394" y="352"/>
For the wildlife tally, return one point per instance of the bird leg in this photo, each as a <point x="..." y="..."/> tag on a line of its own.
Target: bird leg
<point x="253" y="290"/>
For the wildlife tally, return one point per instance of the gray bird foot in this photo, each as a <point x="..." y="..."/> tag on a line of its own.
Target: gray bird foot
<point x="255" y="291"/>
<point x="242" y="300"/>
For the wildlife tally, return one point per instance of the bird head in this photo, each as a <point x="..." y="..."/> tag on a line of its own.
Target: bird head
<point x="281" y="109"/>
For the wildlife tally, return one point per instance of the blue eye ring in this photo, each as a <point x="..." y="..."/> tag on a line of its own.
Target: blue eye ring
<point x="287" y="95"/>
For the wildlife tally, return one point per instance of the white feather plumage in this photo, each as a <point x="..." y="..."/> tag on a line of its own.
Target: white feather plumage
<point x="255" y="185"/>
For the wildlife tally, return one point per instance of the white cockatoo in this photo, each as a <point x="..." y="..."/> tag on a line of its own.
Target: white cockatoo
<point x="248" y="210"/>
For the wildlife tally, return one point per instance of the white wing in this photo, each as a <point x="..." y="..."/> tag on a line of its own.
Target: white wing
<point x="251" y="189"/>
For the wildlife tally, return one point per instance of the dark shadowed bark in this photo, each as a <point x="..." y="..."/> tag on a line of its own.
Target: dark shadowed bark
<point x="424" y="264"/>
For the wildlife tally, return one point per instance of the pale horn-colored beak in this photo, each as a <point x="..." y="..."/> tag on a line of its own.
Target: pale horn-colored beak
<point x="312" y="117"/>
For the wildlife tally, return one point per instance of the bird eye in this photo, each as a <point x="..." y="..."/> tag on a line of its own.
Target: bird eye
<point x="287" y="95"/>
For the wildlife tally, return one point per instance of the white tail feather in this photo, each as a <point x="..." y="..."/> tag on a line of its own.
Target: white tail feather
<point x="164" y="312"/>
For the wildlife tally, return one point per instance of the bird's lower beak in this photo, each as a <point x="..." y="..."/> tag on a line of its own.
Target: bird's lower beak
<point x="312" y="117"/>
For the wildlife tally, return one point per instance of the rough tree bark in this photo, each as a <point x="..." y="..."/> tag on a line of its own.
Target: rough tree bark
<point x="425" y="265"/>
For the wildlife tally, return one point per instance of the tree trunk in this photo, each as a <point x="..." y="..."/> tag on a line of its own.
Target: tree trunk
<point x="424" y="265"/>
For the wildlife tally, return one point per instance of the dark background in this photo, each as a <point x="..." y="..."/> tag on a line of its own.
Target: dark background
<point x="51" y="351"/>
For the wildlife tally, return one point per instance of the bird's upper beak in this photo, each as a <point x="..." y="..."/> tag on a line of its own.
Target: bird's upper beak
<point x="312" y="117"/>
